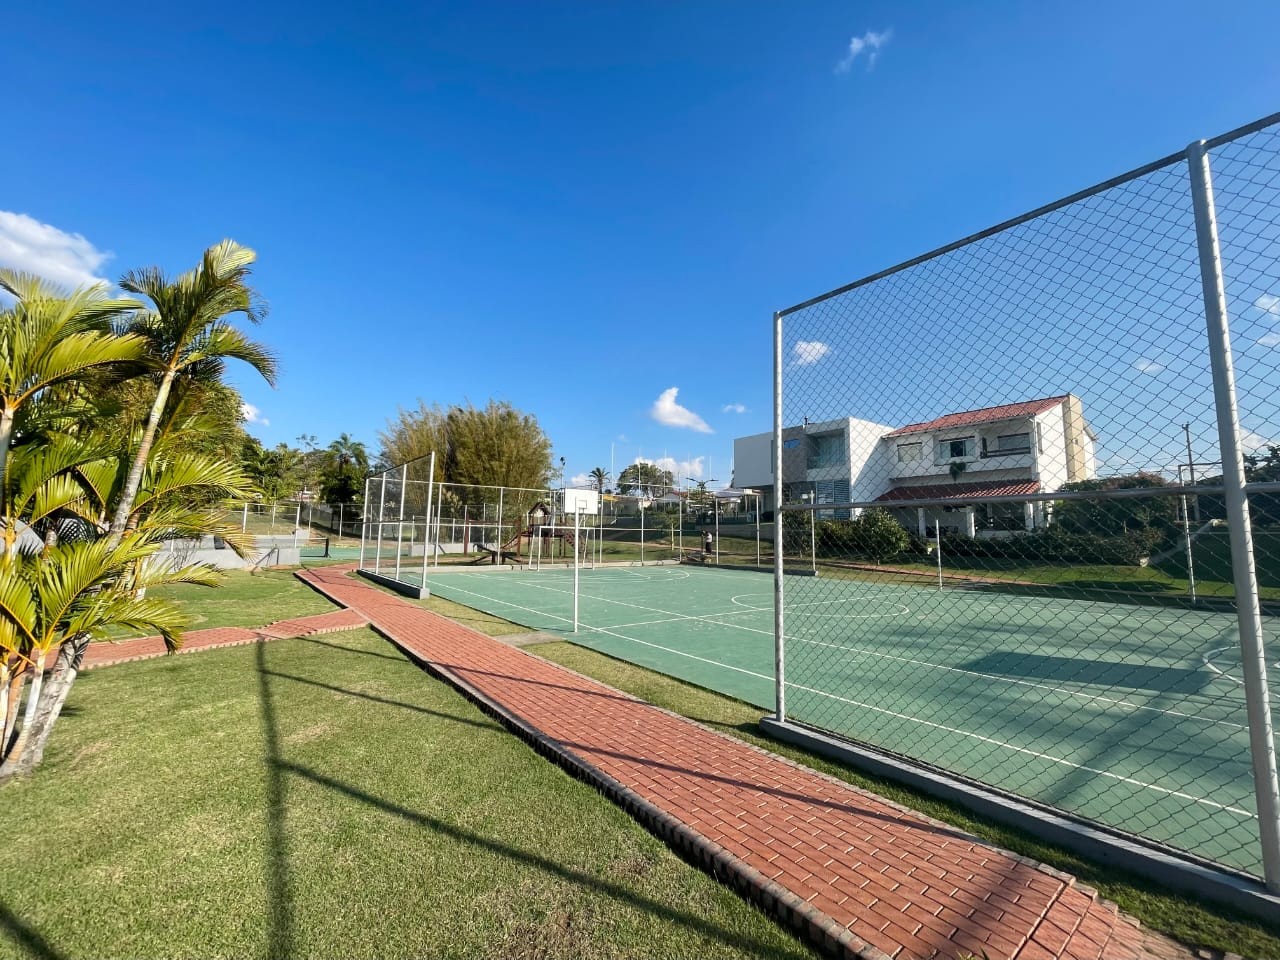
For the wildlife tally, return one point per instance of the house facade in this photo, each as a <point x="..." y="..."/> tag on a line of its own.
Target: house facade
<point x="961" y="459"/>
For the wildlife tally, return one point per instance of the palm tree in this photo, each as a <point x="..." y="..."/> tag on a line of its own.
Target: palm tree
<point x="64" y="584"/>
<point x="188" y="332"/>
<point x="47" y="339"/>
<point x="599" y="476"/>
<point x="347" y="451"/>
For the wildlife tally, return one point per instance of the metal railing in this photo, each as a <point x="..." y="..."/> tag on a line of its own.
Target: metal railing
<point x="1058" y="628"/>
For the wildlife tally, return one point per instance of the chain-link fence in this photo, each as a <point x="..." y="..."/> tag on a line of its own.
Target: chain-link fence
<point x="1051" y="479"/>
<point x="414" y="524"/>
<point x="318" y="530"/>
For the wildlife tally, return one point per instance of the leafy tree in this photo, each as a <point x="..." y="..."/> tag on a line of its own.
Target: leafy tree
<point x="63" y="581"/>
<point x="277" y="472"/>
<point x="1154" y="516"/>
<point x="496" y="445"/>
<point x="1264" y="508"/>
<point x="344" y="469"/>
<point x="599" y="477"/>
<point x="47" y="339"/>
<point x="188" y="333"/>
<point x="648" y="478"/>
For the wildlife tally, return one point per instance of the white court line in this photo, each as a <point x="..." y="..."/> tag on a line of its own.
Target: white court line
<point x="1207" y="660"/>
<point x="673" y="617"/>
<point x="902" y="716"/>
<point x="1034" y="753"/>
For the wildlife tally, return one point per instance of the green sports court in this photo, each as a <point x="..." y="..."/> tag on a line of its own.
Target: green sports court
<point x="1127" y="714"/>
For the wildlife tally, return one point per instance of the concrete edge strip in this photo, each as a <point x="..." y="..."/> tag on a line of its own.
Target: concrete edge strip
<point x="1167" y="869"/>
<point x="260" y="634"/>
<point x="775" y="899"/>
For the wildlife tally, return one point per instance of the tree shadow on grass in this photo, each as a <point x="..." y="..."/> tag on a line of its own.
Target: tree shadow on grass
<point x="26" y="937"/>
<point x="690" y="921"/>
<point x="280" y="906"/>
<point x="362" y="653"/>
<point x="382" y="700"/>
<point x="279" y="876"/>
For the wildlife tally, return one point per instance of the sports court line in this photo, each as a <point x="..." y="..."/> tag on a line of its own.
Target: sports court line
<point x="673" y="617"/>
<point x="1033" y="753"/>
<point x="902" y="716"/>
<point x="1025" y="683"/>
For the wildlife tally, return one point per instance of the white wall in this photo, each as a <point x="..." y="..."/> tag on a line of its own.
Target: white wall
<point x="870" y="459"/>
<point x="1051" y="454"/>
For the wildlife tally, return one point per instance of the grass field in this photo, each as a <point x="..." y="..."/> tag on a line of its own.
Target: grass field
<point x="1130" y="716"/>
<point x="324" y="797"/>
<point x="243" y="600"/>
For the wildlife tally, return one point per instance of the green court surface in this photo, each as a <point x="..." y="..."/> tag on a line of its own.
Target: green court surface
<point x="1133" y="716"/>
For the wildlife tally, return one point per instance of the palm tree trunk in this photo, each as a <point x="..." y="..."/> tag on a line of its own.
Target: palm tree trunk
<point x="35" y="736"/>
<point x="6" y="437"/>
<point x="29" y="717"/>
<point x="17" y="680"/>
<point x="130" y="493"/>
<point x="6" y="675"/>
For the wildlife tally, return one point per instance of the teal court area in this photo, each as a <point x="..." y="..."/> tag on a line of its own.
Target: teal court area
<point x="1127" y="714"/>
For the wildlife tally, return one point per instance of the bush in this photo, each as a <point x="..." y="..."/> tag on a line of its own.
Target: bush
<point x="1056" y="545"/>
<point x="875" y="535"/>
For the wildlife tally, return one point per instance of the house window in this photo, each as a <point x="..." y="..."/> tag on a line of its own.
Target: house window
<point x="909" y="452"/>
<point x="791" y="444"/>
<point x="1013" y="443"/>
<point x="827" y="451"/>
<point x="955" y="449"/>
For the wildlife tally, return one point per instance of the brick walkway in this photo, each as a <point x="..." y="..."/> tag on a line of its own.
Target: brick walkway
<point x="843" y="866"/>
<point x="144" y="648"/>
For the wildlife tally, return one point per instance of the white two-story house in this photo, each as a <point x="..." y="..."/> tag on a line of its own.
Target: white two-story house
<point x="959" y="460"/>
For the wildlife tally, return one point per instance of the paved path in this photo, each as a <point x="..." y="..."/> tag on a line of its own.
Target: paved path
<point x="870" y="878"/>
<point x="106" y="654"/>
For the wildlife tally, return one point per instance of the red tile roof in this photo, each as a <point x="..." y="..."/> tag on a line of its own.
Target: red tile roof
<point x="962" y="491"/>
<point x="1008" y="411"/>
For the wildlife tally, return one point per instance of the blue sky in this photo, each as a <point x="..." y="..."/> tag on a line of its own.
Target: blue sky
<point x="577" y="207"/>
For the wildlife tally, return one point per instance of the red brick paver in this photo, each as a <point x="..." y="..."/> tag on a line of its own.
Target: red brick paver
<point x="871" y="878"/>
<point x="144" y="648"/>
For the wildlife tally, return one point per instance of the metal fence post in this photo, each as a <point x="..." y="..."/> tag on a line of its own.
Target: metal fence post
<point x="780" y="696"/>
<point x="426" y="520"/>
<point x="404" y="487"/>
<point x="364" y="521"/>
<point x="382" y="505"/>
<point x="1244" y="574"/>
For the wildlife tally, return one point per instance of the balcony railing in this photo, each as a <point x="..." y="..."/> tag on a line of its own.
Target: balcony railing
<point x="1006" y="452"/>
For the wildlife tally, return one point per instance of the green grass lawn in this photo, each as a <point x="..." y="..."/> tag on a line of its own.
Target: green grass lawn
<point x="244" y="600"/>
<point x="324" y="797"/>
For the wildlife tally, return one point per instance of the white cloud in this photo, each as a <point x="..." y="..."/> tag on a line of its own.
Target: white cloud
<point x="734" y="408"/>
<point x="1148" y="366"/>
<point x="1271" y="339"/>
<point x="1251" y="442"/>
<point x="67" y="259"/>
<point x="806" y="352"/>
<point x="667" y="411"/>
<point x="252" y="414"/>
<point x="1268" y="303"/>
<point x="681" y="470"/>
<point x="870" y="44"/>
<point x="581" y="480"/>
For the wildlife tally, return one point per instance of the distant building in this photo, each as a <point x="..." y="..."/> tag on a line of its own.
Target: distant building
<point x="965" y="458"/>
